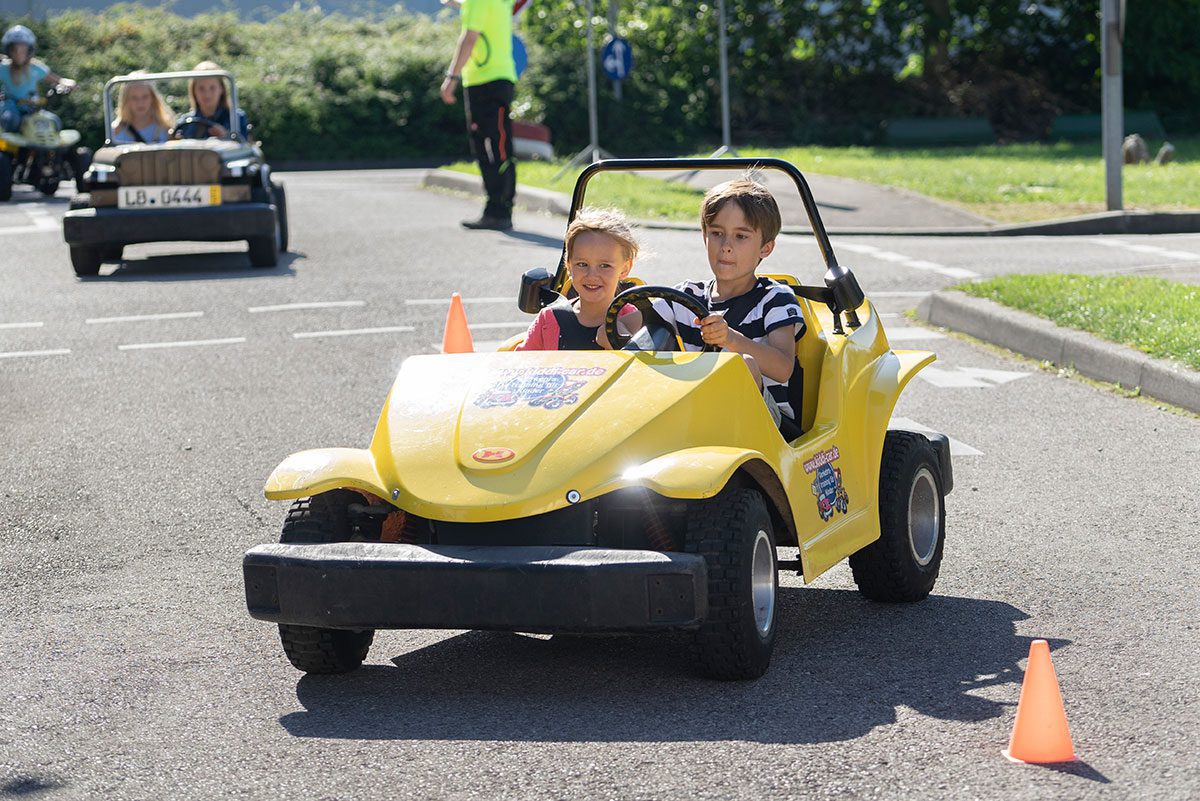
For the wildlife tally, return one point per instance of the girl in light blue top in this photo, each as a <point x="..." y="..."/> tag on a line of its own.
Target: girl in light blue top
<point x="142" y="115"/>
<point x="20" y="74"/>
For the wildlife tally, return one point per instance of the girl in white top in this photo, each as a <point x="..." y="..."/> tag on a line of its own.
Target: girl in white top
<point x="142" y="114"/>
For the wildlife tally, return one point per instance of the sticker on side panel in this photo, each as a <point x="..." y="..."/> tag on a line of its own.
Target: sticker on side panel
<point x="827" y="483"/>
<point x="547" y="388"/>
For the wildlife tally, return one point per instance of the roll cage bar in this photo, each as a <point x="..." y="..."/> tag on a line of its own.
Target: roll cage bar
<point x="171" y="76"/>
<point x="841" y="292"/>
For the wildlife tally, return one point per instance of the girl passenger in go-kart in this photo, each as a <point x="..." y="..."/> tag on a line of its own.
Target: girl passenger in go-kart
<point x="600" y="252"/>
<point x="20" y="74"/>
<point x="209" y="115"/>
<point x="142" y="115"/>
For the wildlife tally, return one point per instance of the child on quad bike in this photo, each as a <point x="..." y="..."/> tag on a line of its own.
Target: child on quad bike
<point x="142" y="115"/>
<point x="754" y="316"/>
<point x="20" y="74"/>
<point x="600" y="249"/>
<point x="210" y="113"/>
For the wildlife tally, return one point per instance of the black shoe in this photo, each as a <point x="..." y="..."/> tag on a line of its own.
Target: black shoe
<point x="486" y="223"/>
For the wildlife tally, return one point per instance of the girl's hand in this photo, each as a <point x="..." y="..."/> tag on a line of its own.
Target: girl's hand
<point x="714" y="330"/>
<point x="217" y="130"/>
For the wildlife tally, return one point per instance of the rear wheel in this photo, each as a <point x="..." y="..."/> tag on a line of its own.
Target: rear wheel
<point x="902" y="565"/>
<point x="81" y="160"/>
<point x="733" y="533"/>
<point x="85" y="260"/>
<point x="324" y="518"/>
<point x="48" y="187"/>
<point x="6" y="177"/>
<point x="279" y="197"/>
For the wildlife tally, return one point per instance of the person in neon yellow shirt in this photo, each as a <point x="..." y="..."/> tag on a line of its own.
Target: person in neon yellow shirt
<point x="483" y="64"/>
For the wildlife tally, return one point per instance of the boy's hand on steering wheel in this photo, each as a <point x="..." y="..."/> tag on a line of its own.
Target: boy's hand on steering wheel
<point x="714" y="330"/>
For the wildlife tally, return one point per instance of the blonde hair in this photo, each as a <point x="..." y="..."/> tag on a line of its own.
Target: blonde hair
<point x="207" y="65"/>
<point x="603" y="221"/>
<point x="755" y="201"/>
<point x="162" y="114"/>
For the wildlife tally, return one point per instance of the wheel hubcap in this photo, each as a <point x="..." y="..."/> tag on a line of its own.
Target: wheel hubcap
<point x="924" y="517"/>
<point x="762" y="582"/>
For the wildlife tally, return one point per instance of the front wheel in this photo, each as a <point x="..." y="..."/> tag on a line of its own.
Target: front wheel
<point x="902" y="565"/>
<point x="279" y="196"/>
<point x="85" y="260"/>
<point x="733" y="533"/>
<point x="325" y="518"/>
<point x="6" y="177"/>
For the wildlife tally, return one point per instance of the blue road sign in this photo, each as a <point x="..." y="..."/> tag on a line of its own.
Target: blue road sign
<point x="520" y="56"/>
<point x="617" y="59"/>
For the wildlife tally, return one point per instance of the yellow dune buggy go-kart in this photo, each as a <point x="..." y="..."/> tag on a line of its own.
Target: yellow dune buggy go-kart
<point x="608" y="491"/>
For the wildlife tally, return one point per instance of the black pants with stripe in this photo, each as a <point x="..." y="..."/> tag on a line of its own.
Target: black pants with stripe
<point x="489" y="120"/>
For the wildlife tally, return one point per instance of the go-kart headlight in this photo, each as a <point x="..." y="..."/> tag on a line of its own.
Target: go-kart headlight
<point x="236" y="169"/>
<point x="101" y="174"/>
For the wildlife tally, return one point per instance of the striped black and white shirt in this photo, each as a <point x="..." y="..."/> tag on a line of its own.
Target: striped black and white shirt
<point x="767" y="306"/>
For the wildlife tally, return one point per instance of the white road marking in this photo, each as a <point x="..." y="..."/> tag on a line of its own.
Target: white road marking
<point x="21" y="325"/>
<point x="18" y="353"/>
<point x="1152" y="250"/>
<point x="917" y="294"/>
<point x="908" y="261"/>
<point x="139" y="318"/>
<point x="910" y="334"/>
<point x="959" y="377"/>
<point x="956" y="448"/>
<point x="446" y="301"/>
<point x="186" y="343"/>
<point x="316" y="304"/>
<point x="24" y="229"/>
<point x="42" y="219"/>
<point x="349" y="332"/>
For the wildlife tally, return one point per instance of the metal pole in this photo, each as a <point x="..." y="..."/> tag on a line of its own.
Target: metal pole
<point x="593" y="121"/>
<point x="726" y="140"/>
<point x="612" y="31"/>
<point x="1112" y="102"/>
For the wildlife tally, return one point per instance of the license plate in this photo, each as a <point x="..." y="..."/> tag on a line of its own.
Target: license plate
<point x="168" y="197"/>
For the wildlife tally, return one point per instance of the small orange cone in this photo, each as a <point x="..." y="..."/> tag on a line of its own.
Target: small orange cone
<point x="1040" y="733"/>
<point x="457" y="338"/>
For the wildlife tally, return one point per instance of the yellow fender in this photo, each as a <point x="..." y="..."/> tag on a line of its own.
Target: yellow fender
<point x="316" y="471"/>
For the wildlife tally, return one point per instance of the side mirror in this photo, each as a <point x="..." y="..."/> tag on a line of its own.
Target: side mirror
<point x="535" y="290"/>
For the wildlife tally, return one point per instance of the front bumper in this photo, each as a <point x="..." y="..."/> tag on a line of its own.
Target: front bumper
<point x="228" y="222"/>
<point x="370" y="585"/>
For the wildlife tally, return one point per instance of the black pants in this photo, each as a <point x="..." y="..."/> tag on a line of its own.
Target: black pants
<point x="489" y="121"/>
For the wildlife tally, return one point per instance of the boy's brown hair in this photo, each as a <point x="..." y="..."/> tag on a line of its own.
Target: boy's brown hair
<point x="755" y="201"/>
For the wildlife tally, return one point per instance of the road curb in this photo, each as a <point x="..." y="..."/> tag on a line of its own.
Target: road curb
<point x="1108" y="222"/>
<point x="527" y="196"/>
<point x="1043" y="340"/>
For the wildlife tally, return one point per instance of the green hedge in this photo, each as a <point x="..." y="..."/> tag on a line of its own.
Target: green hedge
<point x="314" y="86"/>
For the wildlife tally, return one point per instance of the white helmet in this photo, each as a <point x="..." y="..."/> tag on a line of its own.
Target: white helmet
<point x="18" y="34"/>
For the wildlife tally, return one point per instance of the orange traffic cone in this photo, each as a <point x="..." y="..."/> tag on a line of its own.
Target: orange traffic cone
<point x="1041" y="733"/>
<point x="457" y="338"/>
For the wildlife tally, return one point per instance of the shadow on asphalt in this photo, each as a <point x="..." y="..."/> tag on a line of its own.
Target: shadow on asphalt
<point x="535" y="239"/>
<point x="841" y="667"/>
<point x="197" y="266"/>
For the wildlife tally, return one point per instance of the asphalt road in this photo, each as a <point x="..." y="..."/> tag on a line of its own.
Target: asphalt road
<point x="131" y="481"/>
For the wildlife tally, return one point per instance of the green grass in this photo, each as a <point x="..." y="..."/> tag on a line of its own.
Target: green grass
<point x="1009" y="183"/>
<point x="1156" y="316"/>
<point x="638" y="197"/>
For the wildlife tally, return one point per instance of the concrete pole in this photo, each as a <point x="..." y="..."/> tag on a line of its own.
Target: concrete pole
<point x="726" y="139"/>
<point x="1112" y="103"/>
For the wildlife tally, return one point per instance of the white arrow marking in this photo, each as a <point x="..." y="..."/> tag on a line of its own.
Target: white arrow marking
<point x="956" y="448"/>
<point x="959" y="377"/>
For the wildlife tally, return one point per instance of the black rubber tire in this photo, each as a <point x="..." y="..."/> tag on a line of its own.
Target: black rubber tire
<point x="112" y="252"/>
<point x="85" y="260"/>
<point x="279" y="198"/>
<point x="728" y="644"/>
<point x="264" y="250"/>
<point x="81" y="160"/>
<point x="889" y="569"/>
<point x="323" y="518"/>
<point x="6" y="177"/>
<point x="48" y="188"/>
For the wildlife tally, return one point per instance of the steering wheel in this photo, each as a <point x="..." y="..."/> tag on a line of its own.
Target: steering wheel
<point x="656" y="333"/>
<point x="193" y="119"/>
